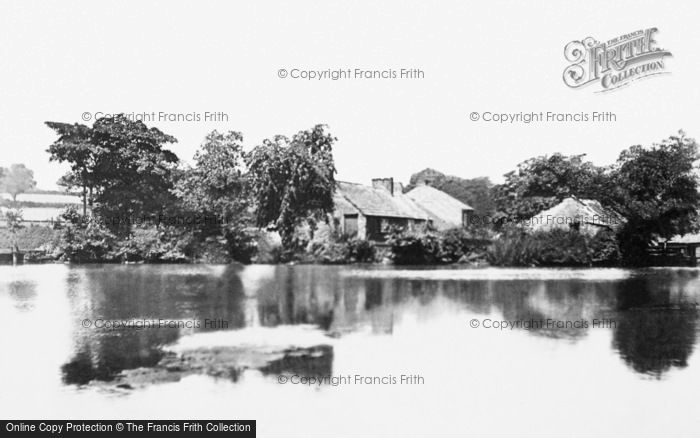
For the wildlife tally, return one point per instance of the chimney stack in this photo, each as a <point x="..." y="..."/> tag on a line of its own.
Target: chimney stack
<point x="384" y="183"/>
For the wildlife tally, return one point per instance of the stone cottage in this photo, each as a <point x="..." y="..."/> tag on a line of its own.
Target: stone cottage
<point x="369" y="212"/>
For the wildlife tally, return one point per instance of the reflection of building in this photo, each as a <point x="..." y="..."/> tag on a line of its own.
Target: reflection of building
<point x="370" y="212"/>
<point x="445" y="212"/>
<point x="585" y="215"/>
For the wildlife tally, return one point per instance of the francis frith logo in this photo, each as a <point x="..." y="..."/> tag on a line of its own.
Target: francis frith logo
<point x="614" y="63"/>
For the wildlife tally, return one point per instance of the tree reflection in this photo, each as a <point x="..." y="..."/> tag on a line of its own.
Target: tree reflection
<point x="655" y="316"/>
<point x="656" y="330"/>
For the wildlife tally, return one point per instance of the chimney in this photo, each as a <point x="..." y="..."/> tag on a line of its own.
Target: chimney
<point x="384" y="183"/>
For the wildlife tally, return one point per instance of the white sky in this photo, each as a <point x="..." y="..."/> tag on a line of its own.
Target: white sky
<point x="58" y="60"/>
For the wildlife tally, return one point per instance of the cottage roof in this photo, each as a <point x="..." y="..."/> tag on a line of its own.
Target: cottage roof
<point x="372" y="201"/>
<point x="443" y="209"/>
<point x="686" y="238"/>
<point x="585" y="211"/>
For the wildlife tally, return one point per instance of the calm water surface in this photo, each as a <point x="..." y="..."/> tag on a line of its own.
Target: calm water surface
<point x="625" y="360"/>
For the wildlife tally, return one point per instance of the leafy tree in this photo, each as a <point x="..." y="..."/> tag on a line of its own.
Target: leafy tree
<point x="656" y="189"/>
<point x="84" y="240"/>
<point x="75" y="147"/>
<point x="216" y="187"/>
<point x="293" y="181"/>
<point x="120" y="165"/>
<point x="542" y="182"/>
<point x="13" y="221"/>
<point x="16" y="180"/>
<point x="216" y="184"/>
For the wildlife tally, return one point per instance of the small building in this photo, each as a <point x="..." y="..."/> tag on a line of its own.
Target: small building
<point x="585" y="215"/>
<point x="445" y="212"/>
<point x="685" y="247"/>
<point x="369" y="212"/>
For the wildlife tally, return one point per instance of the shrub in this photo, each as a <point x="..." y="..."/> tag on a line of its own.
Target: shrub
<point x="557" y="247"/>
<point x="560" y="247"/>
<point x="240" y="243"/>
<point x="604" y="249"/>
<point x="414" y="247"/>
<point x="342" y="251"/>
<point x="85" y="241"/>
<point x="513" y="248"/>
<point x="154" y="244"/>
<point x="433" y="247"/>
<point x="361" y="251"/>
<point x="458" y="244"/>
<point x="329" y="252"/>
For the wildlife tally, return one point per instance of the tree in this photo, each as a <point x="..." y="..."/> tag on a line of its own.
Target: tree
<point x="75" y="146"/>
<point x="121" y="166"/>
<point x="216" y="184"/>
<point x="293" y="181"/>
<point x="542" y="182"/>
<point x="656" y="189"/>
<point x="16" y="180"/>
<point x="13" y="220"/>
<point x="216" y="187"/>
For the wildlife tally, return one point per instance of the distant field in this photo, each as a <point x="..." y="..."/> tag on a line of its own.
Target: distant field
<point x="38" y="214"/>
<point x="41" y="207"/>
<point x="44" y="198"/>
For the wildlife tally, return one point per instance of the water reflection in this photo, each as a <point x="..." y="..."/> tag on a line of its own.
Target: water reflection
<point x="657" y="322"/>
<point x="655" y="313"/>
<point x="24" y="294"/>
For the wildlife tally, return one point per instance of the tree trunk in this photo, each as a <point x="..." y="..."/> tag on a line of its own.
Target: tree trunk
<point x="84" y="201"/>
<point x="15" y="252"/>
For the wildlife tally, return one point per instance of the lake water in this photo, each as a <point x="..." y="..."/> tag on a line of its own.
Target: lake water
<point x="577" y="353"/>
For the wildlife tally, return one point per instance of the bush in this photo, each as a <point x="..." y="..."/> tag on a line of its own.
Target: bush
<point x="427" y="246"/>
<point x="560" y="247"/>
<point x="342" y="251"/>
<point x="240" y="243"/>
<point x="604" y="249"/>
<point x="513" y="248"/>
<point x="414" y="247"/>
<point x="557" y="247"/>
<point x="459" y="244"/>
<point x="361" y="251"/>
<point x="85" y="241"/>
<point x="154" y="244"/>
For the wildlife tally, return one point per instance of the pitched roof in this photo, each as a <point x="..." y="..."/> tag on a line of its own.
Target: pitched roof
<point x="372" y="201"/>
<point x="686" y="238"/>
<point x="572" y="209"/>
<point x="443" y="209"/>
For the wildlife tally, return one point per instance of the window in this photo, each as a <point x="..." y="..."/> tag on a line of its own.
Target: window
<point x="350" y="225"/>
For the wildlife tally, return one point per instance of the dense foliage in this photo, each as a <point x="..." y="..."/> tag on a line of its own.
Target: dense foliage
<point x="292" y="181"/>
<point x="656" y="190"/>
<point x="342" y="251"/>
<point x="120" y="165"/>
<point x="542" y="182"/>
<point x="557" y="247"/>
<point x="287" y="185"/>
<point x="426" y="246"/>
<point x="216" y="188"/>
